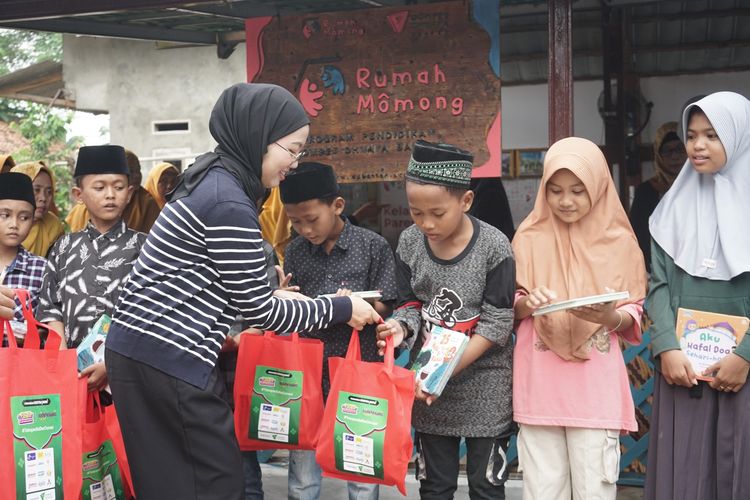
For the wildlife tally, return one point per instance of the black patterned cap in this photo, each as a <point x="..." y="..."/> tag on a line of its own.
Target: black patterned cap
<point x="108" y="159"/>
<point x="309" y="181"/>
<point x="17" y="186"/>
<point x="441" y="164"/>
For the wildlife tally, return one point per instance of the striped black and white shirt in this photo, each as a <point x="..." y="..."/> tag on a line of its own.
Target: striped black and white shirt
<point x="201" y="267"/>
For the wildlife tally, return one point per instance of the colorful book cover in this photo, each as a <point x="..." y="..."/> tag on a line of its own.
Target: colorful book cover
<point x="707" y="337"/>
<point x="91" y="348"/>
<point x="437" y="359"/>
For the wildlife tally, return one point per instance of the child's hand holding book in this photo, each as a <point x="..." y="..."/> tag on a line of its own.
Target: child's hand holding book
<point x="97" y="376"/>
<point x="420" y="395"/>
<point x="538" y="297"/>
<point x="677" y="369"/>
<point x="730" y="373"/>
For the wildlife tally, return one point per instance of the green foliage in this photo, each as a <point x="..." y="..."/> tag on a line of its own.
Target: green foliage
<point x="18" y="49"/>
<point x="44" y="127"/>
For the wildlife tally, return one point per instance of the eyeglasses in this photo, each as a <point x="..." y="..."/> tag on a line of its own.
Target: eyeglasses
<point x="672" y="150"/>
<point x="295" y="156"/>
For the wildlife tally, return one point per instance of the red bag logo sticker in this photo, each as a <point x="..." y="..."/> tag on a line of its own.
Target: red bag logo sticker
<point x="359" y="434"/>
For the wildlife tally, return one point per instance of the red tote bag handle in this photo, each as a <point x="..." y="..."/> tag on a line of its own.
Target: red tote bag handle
<point x="94" y="409"/>
<point x="353" y="353"/>
<point x="32" y="340"/>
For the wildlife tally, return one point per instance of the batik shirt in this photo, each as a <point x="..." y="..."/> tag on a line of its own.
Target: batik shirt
<point x="26" y="271"/>
<point x="361" y="260"/>
<point x="85" y="273"/>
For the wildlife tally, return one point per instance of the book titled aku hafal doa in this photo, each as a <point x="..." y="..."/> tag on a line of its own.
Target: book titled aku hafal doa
<point x="707" y="337"/>
<point x="437" y="359"/>
<point x="91" y="348"/>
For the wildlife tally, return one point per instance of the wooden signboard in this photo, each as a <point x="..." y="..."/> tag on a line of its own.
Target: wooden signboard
<point x="374" y="81"/>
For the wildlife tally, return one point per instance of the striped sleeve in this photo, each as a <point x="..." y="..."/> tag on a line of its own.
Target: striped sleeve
<point x="236" y="253"/>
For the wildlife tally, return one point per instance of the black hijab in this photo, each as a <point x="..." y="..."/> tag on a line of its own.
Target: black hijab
<point x="245" y="120"/>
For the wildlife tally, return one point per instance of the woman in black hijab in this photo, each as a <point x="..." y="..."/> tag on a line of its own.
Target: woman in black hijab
<point x="202" y="265"/>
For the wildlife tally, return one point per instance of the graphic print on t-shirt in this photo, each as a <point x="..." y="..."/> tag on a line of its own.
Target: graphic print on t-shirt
<point x="442" y="311"/>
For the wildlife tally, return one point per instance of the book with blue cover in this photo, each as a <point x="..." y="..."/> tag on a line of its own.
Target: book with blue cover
<point x="438" y="358"/>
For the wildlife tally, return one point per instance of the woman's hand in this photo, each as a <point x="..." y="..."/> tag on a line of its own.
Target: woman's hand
<point x="730" y="373"/>
<point x="676" y="368"/>
<point x="362" y="313"/>
<point x="391" y="328"/>
<point x="97" y="374"/>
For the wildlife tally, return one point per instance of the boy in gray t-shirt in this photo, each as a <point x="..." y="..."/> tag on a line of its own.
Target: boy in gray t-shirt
<point x="459" y="273"/>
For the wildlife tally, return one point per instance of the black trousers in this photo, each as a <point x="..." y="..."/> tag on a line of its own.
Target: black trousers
<point x="179" y="439"/>
<point x="438" y="461"/>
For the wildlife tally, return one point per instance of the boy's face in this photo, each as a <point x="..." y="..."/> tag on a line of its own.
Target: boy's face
<point x="42" y="194"/>
<point x="105" y="196"/>
<point x="437" y="212"/>
<point x="704" y="148"/>
<point x="316" y="220"/>
<point x="16" y="219"/>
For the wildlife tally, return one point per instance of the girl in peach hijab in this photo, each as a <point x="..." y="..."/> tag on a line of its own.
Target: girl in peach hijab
<point x="570" y="390"/>
<point x="47" y="226"/>
<point x="160" y="181"/>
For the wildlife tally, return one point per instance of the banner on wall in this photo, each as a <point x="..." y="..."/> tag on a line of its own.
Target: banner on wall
<point x="375" y="81"/>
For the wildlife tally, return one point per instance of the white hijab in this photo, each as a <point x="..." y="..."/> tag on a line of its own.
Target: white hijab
<point x="703" y="222"/>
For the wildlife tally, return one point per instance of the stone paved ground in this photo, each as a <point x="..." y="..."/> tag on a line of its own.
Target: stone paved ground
<point x="275" y="482"/>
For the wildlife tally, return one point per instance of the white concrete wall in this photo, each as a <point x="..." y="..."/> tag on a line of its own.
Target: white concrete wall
<point x="525" y="121"/>
<point x="136" y="83"/>
<point x="525" y="108"/>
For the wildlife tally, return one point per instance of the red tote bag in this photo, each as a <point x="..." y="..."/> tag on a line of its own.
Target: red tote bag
<point x="365" y="435"/>
<point x="278" y="399"/>
<point x="40" y="416"/>
<point x="106" y="473"/>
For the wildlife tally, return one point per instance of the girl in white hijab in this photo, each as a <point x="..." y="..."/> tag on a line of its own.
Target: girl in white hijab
<point x="700" y="440"/>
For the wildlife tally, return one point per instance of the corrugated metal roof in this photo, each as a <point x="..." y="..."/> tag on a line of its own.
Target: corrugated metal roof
<point x="666" y="37"/>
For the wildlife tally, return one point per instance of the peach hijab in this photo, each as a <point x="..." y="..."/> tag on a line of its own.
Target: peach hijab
<point x="581" y="258"/>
